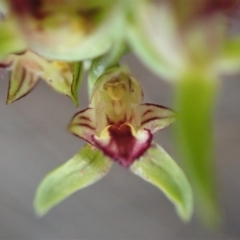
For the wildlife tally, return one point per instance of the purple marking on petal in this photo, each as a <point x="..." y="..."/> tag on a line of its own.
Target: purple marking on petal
<point x="122" y="146"/>
<point x="33" y="81"/>
<point x="20" y="83"/>
<point x="155" y="117"/>
<point x="6" y="63"/>
<point x="86" y="125"/>
<point x="20" y="53"/>
<point x="152" y="119"/>
<point x="27" y="91"/>
<point x="84" y="118"/>
<point x="82" y="111"/>
<point x="85" y="139"/>
<point x="82" y="125"/>
<point x="146" y="112"/>
<point x="155" y="105"/>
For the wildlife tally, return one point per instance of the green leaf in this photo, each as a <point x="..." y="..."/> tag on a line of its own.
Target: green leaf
<point x="196" y="93"/>
<point x="158" y="168"/>
<point x="86" y="167"/>
<point x="77" y="79"/>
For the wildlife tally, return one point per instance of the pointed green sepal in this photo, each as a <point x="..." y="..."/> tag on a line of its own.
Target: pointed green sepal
<point x="77" y="79"/>
<point x="158" y="168"/>
<point x="85" y="168"/>
<point x="21" y="83"/>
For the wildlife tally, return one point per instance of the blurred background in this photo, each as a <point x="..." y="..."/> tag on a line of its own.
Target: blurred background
<point x="121" y="206"/>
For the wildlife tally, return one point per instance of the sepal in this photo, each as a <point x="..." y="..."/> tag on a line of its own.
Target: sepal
<point x="26" y="69"/>
<point x="88" y="166"/>
<point x="21" y="82"/>
<point x="155" y="117"/>
<point x="159" y="169"/>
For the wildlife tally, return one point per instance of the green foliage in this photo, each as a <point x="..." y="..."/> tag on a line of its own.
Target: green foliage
<point x="195" y="98"/>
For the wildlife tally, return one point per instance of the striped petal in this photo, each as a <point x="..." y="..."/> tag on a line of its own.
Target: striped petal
<point x="21" y="83"/>
<point x="28" y="67"/>
<point x="83" y="125"/>
<point x="122" y="144"/>
<point x="155" y="117"/>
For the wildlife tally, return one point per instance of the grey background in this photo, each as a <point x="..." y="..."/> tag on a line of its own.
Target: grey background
<point x="33" y="141"/>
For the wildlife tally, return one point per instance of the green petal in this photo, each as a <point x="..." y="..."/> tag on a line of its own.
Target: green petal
<point x="158" y="168"/>
<point x="195" y="100"/>
<point x="77" y="79"/>
<point x="85" y="168"/>
<point x="58" y="75"/>
<point x="10" y="40"/>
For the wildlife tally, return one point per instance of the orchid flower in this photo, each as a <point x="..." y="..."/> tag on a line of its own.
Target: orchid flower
<point x="116" y="121"/>
<point x="118" y="127"/>
<point x="27" y="68"/>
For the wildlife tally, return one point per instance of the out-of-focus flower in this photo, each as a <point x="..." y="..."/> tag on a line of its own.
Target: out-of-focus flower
<point x="11" y="39"/>
<point x="174" y="37"/>
<point x="67" y="30"/>
<point x="116" y="121"/>
<point x="27" y="68"/>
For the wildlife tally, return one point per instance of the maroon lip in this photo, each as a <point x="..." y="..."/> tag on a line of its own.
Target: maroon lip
<point x="123" y="147"/>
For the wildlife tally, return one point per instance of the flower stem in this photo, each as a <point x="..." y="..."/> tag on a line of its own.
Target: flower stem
<point x="105" y="62"/>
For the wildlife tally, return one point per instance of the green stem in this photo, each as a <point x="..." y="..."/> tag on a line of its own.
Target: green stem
<point x="196" y="94"/>
<point x="105" y="62"/>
